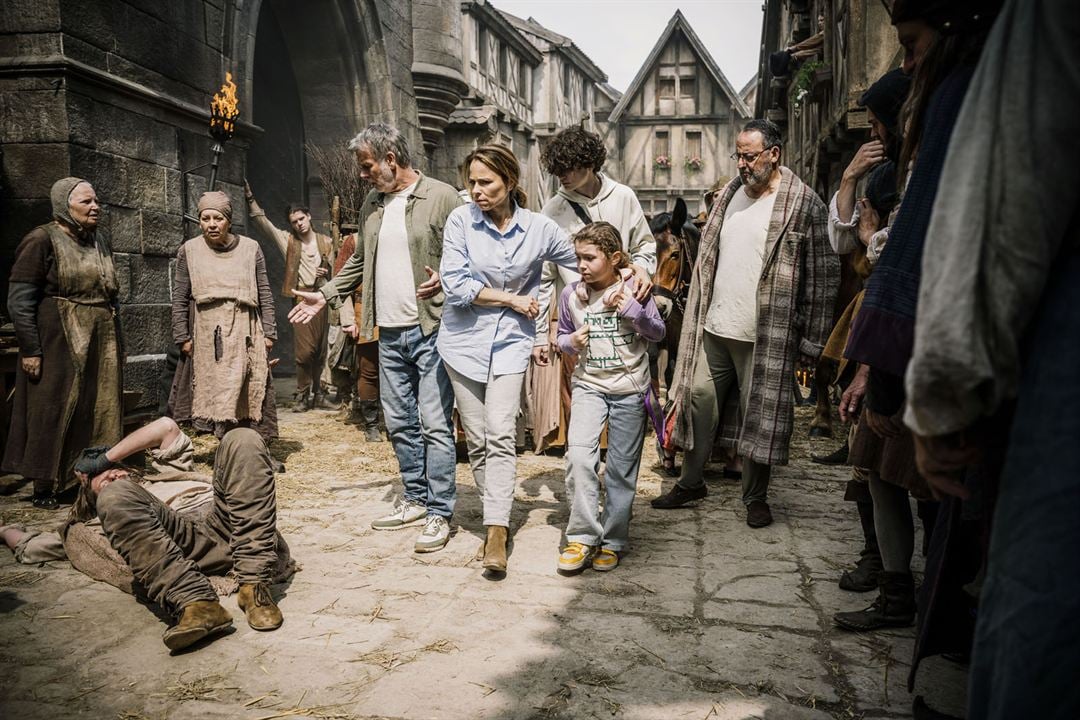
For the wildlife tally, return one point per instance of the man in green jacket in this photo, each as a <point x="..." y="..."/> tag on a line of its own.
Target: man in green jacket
<point x="400" y="241"/>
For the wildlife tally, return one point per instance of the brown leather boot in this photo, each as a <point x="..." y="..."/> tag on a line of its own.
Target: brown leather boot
<point x="198" y="620"/>
<point x="259" y="607"/>
<point x="495" y="549"/>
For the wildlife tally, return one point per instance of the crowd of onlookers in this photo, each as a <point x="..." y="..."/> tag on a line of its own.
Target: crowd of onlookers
<point x="955" y="362"/>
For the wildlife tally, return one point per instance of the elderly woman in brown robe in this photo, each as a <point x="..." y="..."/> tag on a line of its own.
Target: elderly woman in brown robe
<point x="223" y="323"/>
<point x="62" y="300"/>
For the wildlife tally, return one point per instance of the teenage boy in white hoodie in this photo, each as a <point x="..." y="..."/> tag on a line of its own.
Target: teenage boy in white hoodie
<point x="586" y="195"/>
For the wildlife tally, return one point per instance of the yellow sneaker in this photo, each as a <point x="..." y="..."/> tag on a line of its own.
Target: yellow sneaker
<point x="606" y="559"/>
<point x="574" y="556"/>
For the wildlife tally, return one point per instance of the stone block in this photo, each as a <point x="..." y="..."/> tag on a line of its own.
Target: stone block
<point x="115" y="130"/>
<point x="146" y="328"/>
<point x="214" y="23"/>
<point x="174" y="202"/>
<point x="27" y="82"/>
<point x="30" y="169"/>
<point x="156" y="79"/>
<point x="123" y="181"/>
<point x="123" y="30"/>
<point x="34" y="116"/>
<point x="144" y="376"/>
<point x="32" y="44"/>
<point x="196" y="63"/>
<point x="84" y="52"/>
<point x="29" y="16"/>
<point x="143" y="280"/>
<point x="162" y="233"/>
<point x="121" y="228"/>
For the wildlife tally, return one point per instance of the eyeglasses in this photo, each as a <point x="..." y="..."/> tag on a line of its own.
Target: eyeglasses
<point x="749" y="158"/>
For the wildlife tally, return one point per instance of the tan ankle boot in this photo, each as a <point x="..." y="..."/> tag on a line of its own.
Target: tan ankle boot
<point x="259" y="607"/>
<point x="495" y="549"/>
<point x="199" y="619"/>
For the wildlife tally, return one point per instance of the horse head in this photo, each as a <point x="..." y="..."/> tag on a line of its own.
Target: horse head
<point x="674" y="233"/>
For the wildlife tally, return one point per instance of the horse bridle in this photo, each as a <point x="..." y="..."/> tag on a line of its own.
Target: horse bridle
<point x="681" y="289"/>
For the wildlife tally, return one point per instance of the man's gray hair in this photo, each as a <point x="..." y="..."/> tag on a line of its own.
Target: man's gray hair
<point x="381" y="138"/>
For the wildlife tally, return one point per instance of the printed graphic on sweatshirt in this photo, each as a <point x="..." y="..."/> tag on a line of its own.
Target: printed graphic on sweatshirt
<point x="606" y="336"/>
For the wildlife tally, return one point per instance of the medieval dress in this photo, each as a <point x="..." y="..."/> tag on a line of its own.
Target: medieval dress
<point x="222" y="302"/>
<point x="69" y="320"/>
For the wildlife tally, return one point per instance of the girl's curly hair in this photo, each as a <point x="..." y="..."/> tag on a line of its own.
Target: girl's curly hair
<point x="573" y="148"/>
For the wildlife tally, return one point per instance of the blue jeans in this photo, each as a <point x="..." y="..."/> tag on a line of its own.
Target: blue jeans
<point x="625" y="417"/>
<point x="418" y="404"/>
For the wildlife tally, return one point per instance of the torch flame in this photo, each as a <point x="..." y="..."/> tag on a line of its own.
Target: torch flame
<point x="225" y="104"/>
<point x="224" y="109"/>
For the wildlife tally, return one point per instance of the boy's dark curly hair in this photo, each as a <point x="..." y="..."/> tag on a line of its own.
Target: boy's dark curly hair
<point x="573" y="148"/>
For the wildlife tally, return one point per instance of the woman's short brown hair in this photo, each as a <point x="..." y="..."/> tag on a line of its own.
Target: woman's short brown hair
<point x="502" y="161"/>
<point x="573" y="148"/>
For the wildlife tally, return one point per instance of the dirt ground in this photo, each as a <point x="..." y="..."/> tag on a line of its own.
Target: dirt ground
<point x="704" y="618"/>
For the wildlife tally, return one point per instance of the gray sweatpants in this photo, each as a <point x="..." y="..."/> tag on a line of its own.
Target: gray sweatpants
<point x="170" y="553"/>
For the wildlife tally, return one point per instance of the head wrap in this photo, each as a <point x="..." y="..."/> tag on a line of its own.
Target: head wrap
<point x="61" y="200"/>
<point x="886" y="97"/>
<point x="216" y="200"/>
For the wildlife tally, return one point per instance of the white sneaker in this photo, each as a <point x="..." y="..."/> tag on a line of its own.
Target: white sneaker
<point x="405" y="514"/>
<point x="434" y="535"/>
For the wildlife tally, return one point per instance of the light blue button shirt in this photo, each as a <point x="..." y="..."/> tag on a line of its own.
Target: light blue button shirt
<point x="481" y="341"/>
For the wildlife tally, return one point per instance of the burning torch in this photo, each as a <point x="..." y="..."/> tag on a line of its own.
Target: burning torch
<point x="223" y="113"/>
<point x="224" y="110"/>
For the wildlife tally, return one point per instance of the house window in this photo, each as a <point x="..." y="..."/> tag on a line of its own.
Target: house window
<point x="666" y="88"/>
<point x="661" y="148"/>
<point x="687" y="102"/>
<point x="482" y="54"/>
<point x="525" y="82"/>
<point x="504" y="65"/>
<point x="687" y="87"/>
<point x="693" y="145"/>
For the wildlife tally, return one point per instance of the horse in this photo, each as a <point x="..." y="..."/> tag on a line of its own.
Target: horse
<point x="677" y="242"/>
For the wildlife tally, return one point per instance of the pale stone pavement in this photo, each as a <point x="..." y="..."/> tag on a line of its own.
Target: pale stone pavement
<point x="705" y="618"/>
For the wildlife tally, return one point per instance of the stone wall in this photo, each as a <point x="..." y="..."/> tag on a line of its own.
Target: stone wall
<point x="118" y="92"/>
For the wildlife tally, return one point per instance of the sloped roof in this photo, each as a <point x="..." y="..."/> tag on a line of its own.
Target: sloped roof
<point x="495" y="19"/>
<point x="750" y="85"/>
<point x="678" y="22"/>
<point x="610" y="91"/>
<point x="478" y="115"/>
<point x="561" y="43"/>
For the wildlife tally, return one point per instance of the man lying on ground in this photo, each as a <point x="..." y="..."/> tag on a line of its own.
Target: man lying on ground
<point x="174" y="535"/>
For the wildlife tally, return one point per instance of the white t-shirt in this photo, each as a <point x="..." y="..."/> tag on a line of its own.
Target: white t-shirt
<point x="740" y="256"/>
<point x="615" y="361"/>
<point x="395" y="287"/>
<point x="309" y="263"/>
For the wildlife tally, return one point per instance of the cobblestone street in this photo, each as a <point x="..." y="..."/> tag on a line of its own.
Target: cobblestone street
<point x="705" y="618"/>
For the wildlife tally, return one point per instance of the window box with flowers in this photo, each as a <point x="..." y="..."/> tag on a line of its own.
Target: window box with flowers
<point x="694" y="164"/>
<point x="662" y="162"/>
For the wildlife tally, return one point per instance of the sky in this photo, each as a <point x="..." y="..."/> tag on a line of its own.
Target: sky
<point x="618" y="35"/>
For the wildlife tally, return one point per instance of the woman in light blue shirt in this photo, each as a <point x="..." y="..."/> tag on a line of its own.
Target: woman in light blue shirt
<point x="493" y="252"/>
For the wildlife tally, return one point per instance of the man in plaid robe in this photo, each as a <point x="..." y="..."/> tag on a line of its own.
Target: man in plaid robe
<point x="761" y="300"/>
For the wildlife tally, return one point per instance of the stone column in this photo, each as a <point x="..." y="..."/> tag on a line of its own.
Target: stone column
<point x="438" y="55"/>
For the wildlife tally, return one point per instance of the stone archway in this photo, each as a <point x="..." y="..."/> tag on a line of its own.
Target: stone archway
<point x="309" y="73"/>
